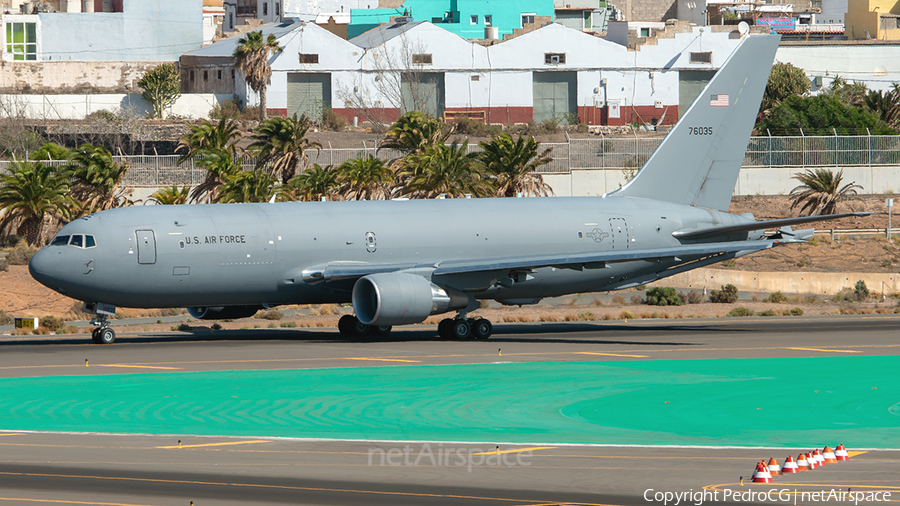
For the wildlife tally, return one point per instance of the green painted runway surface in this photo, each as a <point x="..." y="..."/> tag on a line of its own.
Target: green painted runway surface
<point x="797" y="402"/>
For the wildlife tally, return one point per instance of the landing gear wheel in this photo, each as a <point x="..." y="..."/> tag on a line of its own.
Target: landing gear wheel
<point x="482" y="329"/>
<point x="382" y="330"/>
<point x="445" y="328"/>
<point x="106" y="336"/>
<point x="461" y="329"/>
<point x="360" y="328"/>
<point x="95" y="336"/>
<point x="346" y="324"/>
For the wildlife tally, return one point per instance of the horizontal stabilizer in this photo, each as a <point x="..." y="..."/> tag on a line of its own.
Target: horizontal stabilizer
<point x="706" y="233"/>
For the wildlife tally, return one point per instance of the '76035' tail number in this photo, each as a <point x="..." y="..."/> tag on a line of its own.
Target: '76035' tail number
<point x="700" y="130"/>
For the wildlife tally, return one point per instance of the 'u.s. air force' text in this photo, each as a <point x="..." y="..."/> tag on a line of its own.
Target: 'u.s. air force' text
<point x="216" y="239"/>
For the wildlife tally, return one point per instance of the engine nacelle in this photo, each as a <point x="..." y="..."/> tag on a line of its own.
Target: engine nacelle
<point x="223" y="312"/>
<point x="399" y="298"/>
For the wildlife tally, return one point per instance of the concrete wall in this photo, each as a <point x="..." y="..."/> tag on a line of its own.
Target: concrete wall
<point x="79" y="106"/>
<point x="147" y="30"/>
<point x="819" y="283"/>
<point x="60" y="77"/>
<point x="751" y="181"/>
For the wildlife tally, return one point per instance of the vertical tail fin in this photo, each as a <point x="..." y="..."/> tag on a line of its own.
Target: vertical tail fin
<point x="699" y="161"/>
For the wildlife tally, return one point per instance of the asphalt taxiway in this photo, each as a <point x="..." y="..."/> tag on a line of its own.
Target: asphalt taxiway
<point x="140" y="469"/>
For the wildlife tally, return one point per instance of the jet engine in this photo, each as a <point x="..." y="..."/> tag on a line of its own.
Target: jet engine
<point x="400" y="298"/>
<point x="223" y="312"/>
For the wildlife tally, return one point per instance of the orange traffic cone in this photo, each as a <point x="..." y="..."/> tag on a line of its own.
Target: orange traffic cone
<point x="802" y="463"/>
<point x="840" y="453"/>
<point x="829" y="455"/>
<point x="813" y="463"/>
<point x="820" y="459"/>
<point x="762" y="474"/>
<point x="773" y="466"/>
<point x="790" y="466"/>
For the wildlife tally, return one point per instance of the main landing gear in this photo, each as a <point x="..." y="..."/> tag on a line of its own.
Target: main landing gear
<point x="103" y="334"/>
<point x="462" y="328"/>
<point x="350" y="325"/>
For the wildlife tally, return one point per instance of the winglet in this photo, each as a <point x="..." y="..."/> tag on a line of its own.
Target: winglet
<point x="699" y="161"/>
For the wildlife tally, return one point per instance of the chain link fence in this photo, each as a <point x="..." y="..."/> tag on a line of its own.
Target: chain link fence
<point x="627" y="154"/>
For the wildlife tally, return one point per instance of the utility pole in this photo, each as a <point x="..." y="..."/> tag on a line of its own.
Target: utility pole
<point x="890" y="205"/>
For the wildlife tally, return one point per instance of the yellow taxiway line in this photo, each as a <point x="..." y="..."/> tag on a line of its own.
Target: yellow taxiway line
<point x="383" y="359"/>
<point x="610" y="354"/>
<point x="60" y="501"/>
<point x="517" y="450"/>
<point x="211" y="444"/>
<point x="139" y="366"/>
<point x="828" y="351"/>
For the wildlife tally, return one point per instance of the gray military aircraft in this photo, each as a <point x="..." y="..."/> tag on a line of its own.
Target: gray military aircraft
<point x="400" y="261"/>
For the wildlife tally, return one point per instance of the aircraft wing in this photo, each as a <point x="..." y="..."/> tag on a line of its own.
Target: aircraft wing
<point x="706" y="233"/>
<point x="599" y="259"/>
<point x="347" y="271"/>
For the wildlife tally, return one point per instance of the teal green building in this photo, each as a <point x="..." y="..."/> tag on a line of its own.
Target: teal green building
<point x="466" y="18"/>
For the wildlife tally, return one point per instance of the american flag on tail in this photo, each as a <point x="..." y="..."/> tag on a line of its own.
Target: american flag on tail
<point x="720" y="100"/>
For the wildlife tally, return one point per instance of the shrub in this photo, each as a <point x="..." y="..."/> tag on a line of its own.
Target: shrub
<point x="845" y="295"/>
<point x="288" y="325"/>
<point x="333" y="121"/>
<point x="618" y="299"/>
<point x="4" y="264"/>
<point x="729" y="263"/>
<point x="776" y="297"/>
<point x="692" y="297"/>
<point x="663" y="296"/>
<point x="21" y="254"/>
<point x="740" y="311"/>
<point x="767" y="312"/>
<point x="796" y="312"/>
<point x="216" y="326"/>
<point x="5" y="319"/>
<point x="269" y="314"/>
<point x="861" y="290"/>
<point x="466" y="126"/>
<point x="182" y="327"/>
<point x="727" y="295"/>
<point x="51" y="322"/>
<point x="626" y="315"/>
<point x="636" y="299"/>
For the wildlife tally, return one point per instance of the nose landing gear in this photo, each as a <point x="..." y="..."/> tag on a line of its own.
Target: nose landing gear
<point x="103" y="334"/>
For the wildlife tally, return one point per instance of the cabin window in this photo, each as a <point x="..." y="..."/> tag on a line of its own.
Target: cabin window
<point x="89" y="241"/>
<point x="77" y="241"/>
<point x="60" y="240"/>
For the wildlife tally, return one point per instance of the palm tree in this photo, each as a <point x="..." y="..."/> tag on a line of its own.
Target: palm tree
<point x="31" y="192"/>
<point x="247" y="186"/>
<point x="513" y="163"/>
<point x="442" y="169"/>
<point x="220" y="164"/>
<point x="171" y="196"/>
<point x="223" y="135"/>
<point x="252" y="60"/>
<point x="283" y="143"/>
<point x="886" y="104"/>
<point x="415" y="131"/>
<point x="821" y="191"/>
<point x="365" y="179"/>
<point x="98" y="179"/>
<point x="312" y="184"/>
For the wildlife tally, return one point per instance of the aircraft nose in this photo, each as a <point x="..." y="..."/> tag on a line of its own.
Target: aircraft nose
<point x="41" y="267"/>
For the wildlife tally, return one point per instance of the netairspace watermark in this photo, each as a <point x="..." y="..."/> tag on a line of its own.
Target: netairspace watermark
<point x="448" y="457"/>
<point x="777" y="495"/>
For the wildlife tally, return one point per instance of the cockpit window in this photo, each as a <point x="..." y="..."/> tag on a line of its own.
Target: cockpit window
<point x="89" y="241"/>
<point x="60" y="240"/>
<point x="77" y="241"/>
